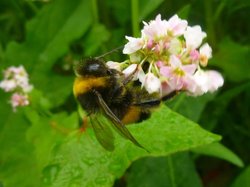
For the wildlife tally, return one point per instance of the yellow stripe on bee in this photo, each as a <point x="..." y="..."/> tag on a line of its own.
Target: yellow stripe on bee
<point x="85" y="84"/>
<point x="132" y="116"/>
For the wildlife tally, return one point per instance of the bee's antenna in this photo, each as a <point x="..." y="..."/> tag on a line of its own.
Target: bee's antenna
<point x="113" y="50"/>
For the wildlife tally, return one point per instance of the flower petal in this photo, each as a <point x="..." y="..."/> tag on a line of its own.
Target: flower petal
<point x="177" y="25"/>
<point x="133" y="45"/>
<point x="130" y="69"/>
<point x="152" y="83"/>
<point x="194" y="36"/>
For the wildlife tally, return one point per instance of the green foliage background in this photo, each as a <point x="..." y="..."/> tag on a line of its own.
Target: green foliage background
<point x="40" y="145"/>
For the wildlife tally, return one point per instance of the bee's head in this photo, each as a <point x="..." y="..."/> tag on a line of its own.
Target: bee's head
<point x="92" y="67"/>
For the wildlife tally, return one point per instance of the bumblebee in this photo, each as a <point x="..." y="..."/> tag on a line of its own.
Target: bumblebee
<point x="104" y="92"/>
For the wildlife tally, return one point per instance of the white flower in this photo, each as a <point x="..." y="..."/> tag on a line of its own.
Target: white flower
<point x="174" y="51"/>
<point x="114" y="65"/>
<point x="8" y="85"/>
<point x="16" y="80"/>
<point x="205" y="54"/>
<point x="194" y="36"/>
<point x="176" y="25"/>
<point x="215" y="80"/>
<point x="152" y="83"/>
<point x="133" y="45"/>
<point x="206" y="81"/>
<point x="129" y="70"/>
<point x="155" y="29"/>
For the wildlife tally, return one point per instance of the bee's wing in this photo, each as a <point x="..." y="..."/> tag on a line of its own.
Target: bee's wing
<point x="102" y="131"/>
<point x="117" y="124"/>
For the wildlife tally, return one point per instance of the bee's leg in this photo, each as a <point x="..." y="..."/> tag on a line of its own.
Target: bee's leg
<point x="84" y="124"/>
<point x="83" y="127"/>
<point x="59" y="128"/>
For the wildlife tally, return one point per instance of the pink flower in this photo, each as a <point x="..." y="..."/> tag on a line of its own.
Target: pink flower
<point x="19" y="100"/>
<point x="155" y="29"/>
<point x="194" y="36"/>
<point x="166" y="89"/>
<point x="194" y="55"/>
<point x="15" y="78"/>
<point x="178" y="75"/>
<point x="176" y="25"/>
<point x="174" y="51"/>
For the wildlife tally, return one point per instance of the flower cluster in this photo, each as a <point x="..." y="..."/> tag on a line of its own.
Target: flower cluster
<point x="175" y="54"/>
<point x="16" y="81"/>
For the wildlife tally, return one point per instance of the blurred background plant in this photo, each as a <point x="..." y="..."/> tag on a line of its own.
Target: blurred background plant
<point x="39" y="144"/>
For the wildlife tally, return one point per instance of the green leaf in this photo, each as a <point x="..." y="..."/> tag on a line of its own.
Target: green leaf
<point x="18" y="163"/>
<point x="120" y="11"/>
<point x="48" y="38"/>
<point x="47" y="131"/>
<point x="184" y="11"/>
<point x="221" y="103"/>
<point x="190" y="107"/>
<point x="96" y="37"/>
<point x="147" y="7"/>
<point x="174" y="170"/>
<point x="220" y="151"/>
<point x="83" y="162"/>
<point x="233" y="59"/>
<point x="243" y="179"/>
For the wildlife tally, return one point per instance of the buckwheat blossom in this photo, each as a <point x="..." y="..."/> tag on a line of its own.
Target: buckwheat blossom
<point x="133" y="45"/>
<point x="16" y="81"/>
<point x="178" y="76"/>
<point x="176" y="25"/>
<point x="194" y="36"/>
<point x="175" y="55"/>
<point x="130" y="70"/>
<point x="114" y="65"/>
<point x="152" y="83"/>
<point x="206" y="81"/>
<point x="205" y="54"/>
<point x="18" y="99"/>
